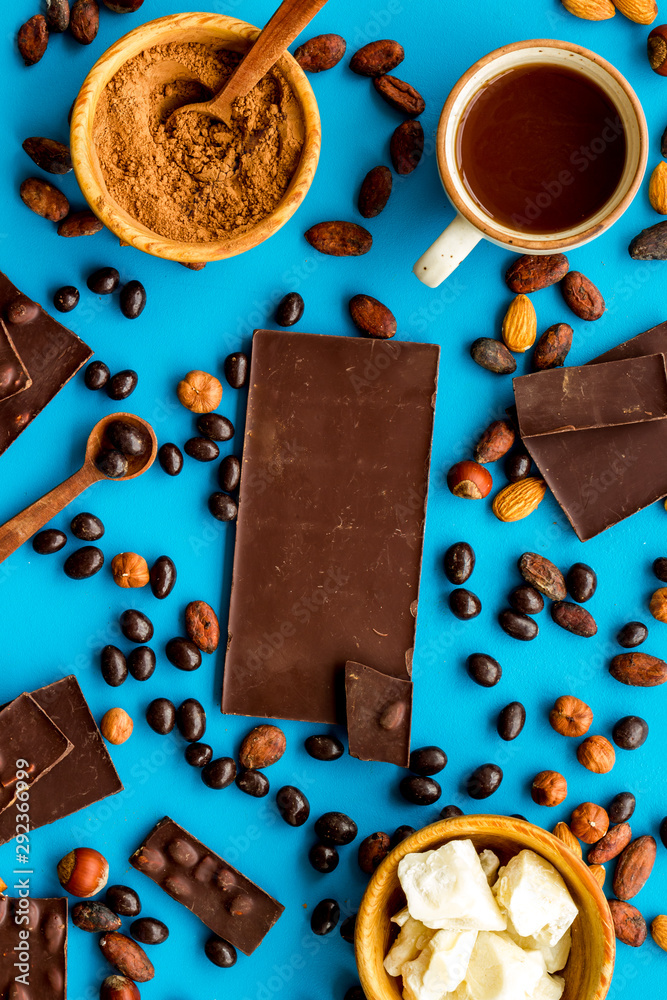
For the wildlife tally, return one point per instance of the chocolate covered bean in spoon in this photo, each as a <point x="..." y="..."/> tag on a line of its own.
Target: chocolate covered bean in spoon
<point x="286" y="24"/>
<point x="104" y="459"/>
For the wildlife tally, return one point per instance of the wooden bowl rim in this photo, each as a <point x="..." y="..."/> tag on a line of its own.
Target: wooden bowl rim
<point x="461" y="827"/>
<point x="84" y="156"/>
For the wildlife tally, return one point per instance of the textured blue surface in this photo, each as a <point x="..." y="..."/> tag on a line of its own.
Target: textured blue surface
<point x="53" y="626"/>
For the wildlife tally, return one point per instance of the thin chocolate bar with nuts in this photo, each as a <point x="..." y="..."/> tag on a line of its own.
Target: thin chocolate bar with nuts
<point x="230" y="904"/>
<point x="30" y="746"/>
<point x="33" y="948"/>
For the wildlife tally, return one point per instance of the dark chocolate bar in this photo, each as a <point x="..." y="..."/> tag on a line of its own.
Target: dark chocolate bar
<point x="27" y="734"/>
<point x="33" y="948"/>
<point x="331" y="519"/>
<point x="379" y="715"/>
<point x="597" y="432"/>
<point x="51" y="354"/>
<point x="226" y="901"/>
<point x="13" y="374"/>
<point x="85" y="776"/>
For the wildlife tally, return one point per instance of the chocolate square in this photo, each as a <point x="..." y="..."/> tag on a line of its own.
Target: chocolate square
<point x="14" y="376"/>
<point x="27" y="733"/>
<point x="379" y="715"/>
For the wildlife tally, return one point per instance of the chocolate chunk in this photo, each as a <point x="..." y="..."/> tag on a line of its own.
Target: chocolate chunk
<point x="226" y="901"/>
<point x="46" y="968"/>
<point x="27" y="734"/>
<point x="379" y="711"/>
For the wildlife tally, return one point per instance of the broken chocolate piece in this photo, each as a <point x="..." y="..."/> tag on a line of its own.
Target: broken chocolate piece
<point x="226" y="901"/>
<point x="51" y="355"/>
<point x="331" y="519"/>
<point x="379" y="715"/>
<point x="35" y="966"/>
<point x="85" y="776"/>
<point x="27" y="734"/>
<point x="14" y="375"/>
<point x="596" y="433"/>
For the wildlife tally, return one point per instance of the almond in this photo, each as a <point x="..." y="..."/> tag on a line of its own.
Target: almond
<point x="518" y="500"/>
<point x="659" y="931"/>
<point x="634" y="867"/>
<point x="520" y="325"/>
<point x="639" y="11"/>
<point x="563" y="832"/>
<point x="590" y="10"/>
<point x="638" y="669"/>
<point x="599" y="873"/>
<point x="611" y="845"/>
<point x="629" y="925"/>
<point x="657" y="188"/>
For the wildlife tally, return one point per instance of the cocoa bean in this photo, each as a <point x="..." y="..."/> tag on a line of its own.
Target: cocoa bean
<point x="406" y="146"/>
<point x="543" y="575"/>
<point x="84" y="21"/>
<point x="375" y="191"/>
<point x="574" y="618"/>
<point x="127" y="957"/>
<point x="57" y="15"/>
<point x="33" y="38"/>
<point x="611" y="845"/>
<point x="582" y="296"/>
<point x="531" y="272"/>
<point x="44" y="199"/>
<point x="263" y="746"/>
<point x="553" y="347"/>
<point x="629" y="925"/>
<point x="651" y="243"/>
<point x="372" y="852"/>
<point x="320" y="53"/>
<point x="52" y="156"/>
<point x="638" y="669"/>
<point x="80" y="224"/>
<point x="400" y="95"/>
<point x="493" y="355"/>
<point x="377" y="58"/>
<point x="495" y="442"/>
<point x="202" y="627"/>
<point x="634" y="867"/>
<point x="123" y="6"/>
<point x="340" y="239"/>
<point x="663" y="143"/>
<point x="94" y="917"/>
<point x="372" y="317"/>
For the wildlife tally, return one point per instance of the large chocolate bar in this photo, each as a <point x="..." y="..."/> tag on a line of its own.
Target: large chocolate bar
<point x="30" y="744"/>
<point x="597" y="432"/>
<point x="13" y="373"/>
<point x="230" y="904"/>
<point x="85" y="776"/>
<point x="33" y="948"/>
<point x="379" y="715"/>
<point x="331" y="519"/>
<point x="51" y="354"/>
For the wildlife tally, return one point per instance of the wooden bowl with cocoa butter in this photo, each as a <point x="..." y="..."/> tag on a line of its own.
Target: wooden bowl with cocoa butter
<point x="196" y="191"/>
<point x="590" y="966"/>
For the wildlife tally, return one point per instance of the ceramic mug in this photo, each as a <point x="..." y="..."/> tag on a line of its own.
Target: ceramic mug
<point x="471" y="223"/>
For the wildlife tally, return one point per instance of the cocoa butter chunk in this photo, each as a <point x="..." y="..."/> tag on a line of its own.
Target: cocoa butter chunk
<point x="651" y="243"/>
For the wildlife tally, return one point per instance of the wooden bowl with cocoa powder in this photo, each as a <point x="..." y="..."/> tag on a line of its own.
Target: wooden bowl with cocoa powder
<point x="199" y="29"/>
<point x="590" y="966"/>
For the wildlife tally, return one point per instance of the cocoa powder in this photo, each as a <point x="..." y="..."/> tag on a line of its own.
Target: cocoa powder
<point x="194" y="178"/>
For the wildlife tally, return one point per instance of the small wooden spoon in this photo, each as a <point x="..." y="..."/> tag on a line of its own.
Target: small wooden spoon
<point x="15" y="532"/>
<point x="288" y="21"/>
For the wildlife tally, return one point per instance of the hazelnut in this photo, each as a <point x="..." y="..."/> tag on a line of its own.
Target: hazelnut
<point x="563" y="832"/>
<point x="657" y="49"/>
<point x="119" y="988"/>
<point x="116" y="726"/>
<point x="589" y="822"/>
<point x="597" y="754"/>
<point x="83" y="872"/>
<point x="130" y="570"/>
<point x="3" y="886"/>
<point x="570" y="716"/>
<point x="658" y="605"/>
<point x="199" y="392"/>
<point x="599" y="873"/>
<point x="469" y="480"/>
<point x="549" y="788"/>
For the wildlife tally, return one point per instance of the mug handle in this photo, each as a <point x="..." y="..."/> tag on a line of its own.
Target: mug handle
<point x="448" y="251"/>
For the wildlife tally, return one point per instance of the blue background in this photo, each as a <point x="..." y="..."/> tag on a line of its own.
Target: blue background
<point x="52" y="626"/>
